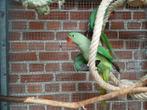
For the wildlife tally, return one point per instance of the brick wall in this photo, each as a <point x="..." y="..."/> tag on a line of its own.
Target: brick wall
<point x="41" y="64"/>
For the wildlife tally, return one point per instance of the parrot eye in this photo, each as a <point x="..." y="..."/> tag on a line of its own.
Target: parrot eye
<point x="73" y="36"/>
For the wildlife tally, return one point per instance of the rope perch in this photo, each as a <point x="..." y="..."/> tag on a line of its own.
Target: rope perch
<point x="99" y="25"/>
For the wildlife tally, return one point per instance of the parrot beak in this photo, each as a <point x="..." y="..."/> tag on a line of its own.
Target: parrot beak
<point x="69" y="40"/>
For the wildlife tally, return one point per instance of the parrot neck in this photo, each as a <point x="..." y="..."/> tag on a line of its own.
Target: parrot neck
<point x="84" y="47"/>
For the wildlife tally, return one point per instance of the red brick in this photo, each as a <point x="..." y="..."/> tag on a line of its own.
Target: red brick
<point x="53" y="25"/>
<point x="36" y="67"/>
<point x="36" y="107"/>
<point x="14" y="36"/>
<point x="83" y="25"/>
<point x="84" y="86"/>
<point x="86" y="5"/>
<point x="134" y="105"/>
<point x="68" y="67"/>
<point x="134" y="25"/>
<point x="52" y="46"/>
<point x="121" y="15"/>
<point x="36" y="46"/>
<point x="36" y="78"/>
<point x="53" y="108"/>
<point x="36" y="25"/>
<point x="144" y="25"/>
<point x="138" y="15"/>
<point x="19" y="25"/>
<point x="13" y="78"/>
<point x="70" y="77"/>
<point x="129" y="75"/>
<point x="90" y="107"/>
<point x="82" y="96"/>
<point x="144" y="65"/>
<point x="61" y="35"/>
<point x="68" y="47"/>
<point x="20" y="46"/>
<point x="103" y="106"/>
<point x="124" y="54"/>
<point x="132" y="65"/>
<point x="22" y="14"/>
<point x="68" y="87"/>
<point x="117" y="25"/>
<point x="17" y="107"/>
<point x="83" y="15"/>
<point x="140" y="54"/>
<point x="17" y="88"/>
<point x="145" y="105"/>
<point x="18" y="67"/>
<point x="120" y="64"/>
<point x="117" y="44"/>
<point x="73" y="55"/>
<point x="38" y="36"/>
<point x="16" y="5"/>
<point x="70" y="25"/>
<point x="55" y="15"/>
<point x="52" y="67"/>
<point x="131" y="34"/>
<point x="132" y="44"/>
<point x="53" y="56"/>
<point x="118" y="106"/>
<point x="23" y="56"/>
<point x="54" y="6"/>
<point x="34" y="88"/>
<point x="111" y="34"/>
<point x="68" y="5"/>
<point x="52" y="87"/>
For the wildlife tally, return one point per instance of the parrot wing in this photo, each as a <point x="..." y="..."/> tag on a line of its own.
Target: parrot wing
<point x="104" y="52"/>
<point x="80" y="64"/>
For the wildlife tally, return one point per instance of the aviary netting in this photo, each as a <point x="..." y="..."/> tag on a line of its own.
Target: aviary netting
<point x="137" y="89"/>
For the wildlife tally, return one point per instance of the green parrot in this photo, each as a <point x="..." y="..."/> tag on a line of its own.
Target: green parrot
<point x="104" y="60"/>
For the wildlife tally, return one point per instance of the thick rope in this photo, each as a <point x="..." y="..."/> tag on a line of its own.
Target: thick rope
<point x="111" y="8"/>
<point x="94" y="44"/>
<point x="95" y="41"/>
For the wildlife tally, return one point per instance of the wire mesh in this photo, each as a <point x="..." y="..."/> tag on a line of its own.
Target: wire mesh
<point x="41" y="64"/>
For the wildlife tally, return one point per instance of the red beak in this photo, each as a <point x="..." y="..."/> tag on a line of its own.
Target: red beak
<point x="69" y="40"/>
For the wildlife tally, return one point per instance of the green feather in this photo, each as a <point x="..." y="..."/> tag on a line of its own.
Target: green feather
<point x="80" y="63"/>
<point x="104" y="39"/>
<point x="106" y="42"/>
<point x="103" y="51"/>
<point x="92" y="18"/>
<point x="105" y="65"/>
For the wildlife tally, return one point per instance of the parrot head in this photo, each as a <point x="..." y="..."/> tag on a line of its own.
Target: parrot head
<point x="77" y="38"/>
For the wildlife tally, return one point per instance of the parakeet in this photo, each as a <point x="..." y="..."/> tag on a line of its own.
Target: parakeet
<point x="103" y="57"/>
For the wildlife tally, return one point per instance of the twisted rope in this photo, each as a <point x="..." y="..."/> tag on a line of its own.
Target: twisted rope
<point x="99" y="26"/>
<point x="94" y="44"/>
<point x="111" y="8"/>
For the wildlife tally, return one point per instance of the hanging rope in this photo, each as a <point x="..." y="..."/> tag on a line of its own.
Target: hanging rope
<point x="94" y="44"/>
<point x="99" y="26"/>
